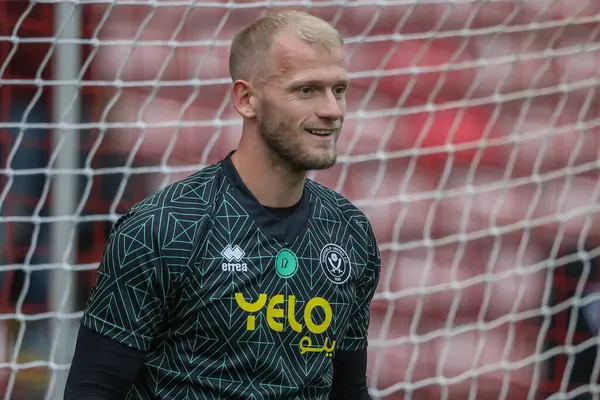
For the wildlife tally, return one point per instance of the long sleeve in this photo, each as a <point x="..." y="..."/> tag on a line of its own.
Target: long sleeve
<point x="102" y="368"/>
<point x="350" y="376"/>
<point x="350" y="360"/>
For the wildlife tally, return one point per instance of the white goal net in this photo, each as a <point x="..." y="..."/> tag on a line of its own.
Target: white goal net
<point x="472" y="142"/>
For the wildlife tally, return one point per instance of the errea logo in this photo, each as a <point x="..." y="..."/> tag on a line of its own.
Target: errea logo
<point x="234" y="256"/>
<point x="233" y="253"/>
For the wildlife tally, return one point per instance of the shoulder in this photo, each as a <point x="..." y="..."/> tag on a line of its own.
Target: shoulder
<point x="197" y="191"/>
<point x="175" y="214"/>
<point x="332" y="200"/>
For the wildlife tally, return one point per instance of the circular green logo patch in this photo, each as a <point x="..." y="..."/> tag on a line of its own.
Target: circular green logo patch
<point x="286" y="263"/>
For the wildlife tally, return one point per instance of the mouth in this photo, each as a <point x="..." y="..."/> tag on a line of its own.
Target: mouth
<point x="321" y="132"/>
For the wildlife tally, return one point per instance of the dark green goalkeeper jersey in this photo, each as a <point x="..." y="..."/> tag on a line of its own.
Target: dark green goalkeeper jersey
<point x="230" y="301"/>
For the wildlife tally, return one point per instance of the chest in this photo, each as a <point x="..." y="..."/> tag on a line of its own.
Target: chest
<point x="250" y="282"/>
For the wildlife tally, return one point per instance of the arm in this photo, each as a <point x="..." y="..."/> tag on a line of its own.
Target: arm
<point x="350" y="361"/>
<point x="102" y="368"/>
<point x="123" y="313"/>
<point x="350" y="376"/>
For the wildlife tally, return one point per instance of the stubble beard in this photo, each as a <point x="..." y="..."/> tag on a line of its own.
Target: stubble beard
<point x="286" y="145"/>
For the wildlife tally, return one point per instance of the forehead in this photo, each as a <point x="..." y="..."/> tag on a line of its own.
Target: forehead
<point x="294" y="59"/>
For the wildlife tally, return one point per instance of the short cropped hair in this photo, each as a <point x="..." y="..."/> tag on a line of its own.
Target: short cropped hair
<point x="251" y="47"/>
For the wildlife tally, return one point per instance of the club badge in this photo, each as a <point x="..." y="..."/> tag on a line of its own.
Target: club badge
<point x="335" y="263"/>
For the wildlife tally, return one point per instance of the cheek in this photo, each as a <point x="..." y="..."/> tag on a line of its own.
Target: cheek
<point x="292" y="113"/>
<point x="278" y="120"/>
<point x="342" y="105"/>
<point x="299" y="118"/>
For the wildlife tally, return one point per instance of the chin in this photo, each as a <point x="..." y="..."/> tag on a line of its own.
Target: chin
<point x="318" y="162"/>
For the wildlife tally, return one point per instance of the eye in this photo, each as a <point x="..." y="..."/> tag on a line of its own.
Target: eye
<point x="339" y="90"/>
<point x="306" y="90"/>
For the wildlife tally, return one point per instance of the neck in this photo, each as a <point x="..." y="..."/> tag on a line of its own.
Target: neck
<point x="271" y="180"/>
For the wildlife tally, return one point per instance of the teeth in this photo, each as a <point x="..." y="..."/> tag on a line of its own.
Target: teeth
<point x="320" y="131"/>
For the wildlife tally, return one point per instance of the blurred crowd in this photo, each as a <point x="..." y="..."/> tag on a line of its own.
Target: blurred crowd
<point x="471" y="143"/>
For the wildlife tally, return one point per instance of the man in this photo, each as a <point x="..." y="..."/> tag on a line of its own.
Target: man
<point x="461" y="321"/>
<point x="245" y="280"/>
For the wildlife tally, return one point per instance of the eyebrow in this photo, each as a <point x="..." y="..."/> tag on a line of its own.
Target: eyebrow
<point x="318" y="82"/>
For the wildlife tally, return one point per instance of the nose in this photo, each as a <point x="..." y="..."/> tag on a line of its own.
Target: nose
<point x="331" y="108"/>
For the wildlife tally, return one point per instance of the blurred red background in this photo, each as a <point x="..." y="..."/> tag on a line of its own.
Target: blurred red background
<point x="466" y="233"/>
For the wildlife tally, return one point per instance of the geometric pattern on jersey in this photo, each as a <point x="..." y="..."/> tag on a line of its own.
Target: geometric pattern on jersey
<point x="189" y="276"/>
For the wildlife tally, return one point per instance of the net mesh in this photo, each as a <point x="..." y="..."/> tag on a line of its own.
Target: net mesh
<point x="471" y="142"/>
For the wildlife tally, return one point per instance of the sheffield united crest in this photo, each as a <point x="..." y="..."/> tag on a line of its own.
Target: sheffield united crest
<point x="335" y="263"/>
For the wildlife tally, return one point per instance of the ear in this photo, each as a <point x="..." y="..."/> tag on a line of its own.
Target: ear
<point x="243" y="97"/>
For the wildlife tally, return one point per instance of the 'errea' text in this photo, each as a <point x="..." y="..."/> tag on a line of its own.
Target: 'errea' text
<point x="231" y="267"/>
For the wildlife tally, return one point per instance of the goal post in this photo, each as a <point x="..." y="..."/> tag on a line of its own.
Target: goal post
<point x="470" y="141"/>
<point x="65" y="155"/>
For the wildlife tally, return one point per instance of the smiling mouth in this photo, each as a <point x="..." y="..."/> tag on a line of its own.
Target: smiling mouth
<point x="321" y="132"/>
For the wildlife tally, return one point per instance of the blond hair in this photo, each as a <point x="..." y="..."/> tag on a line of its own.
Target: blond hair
<point x="251" y="47"/>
